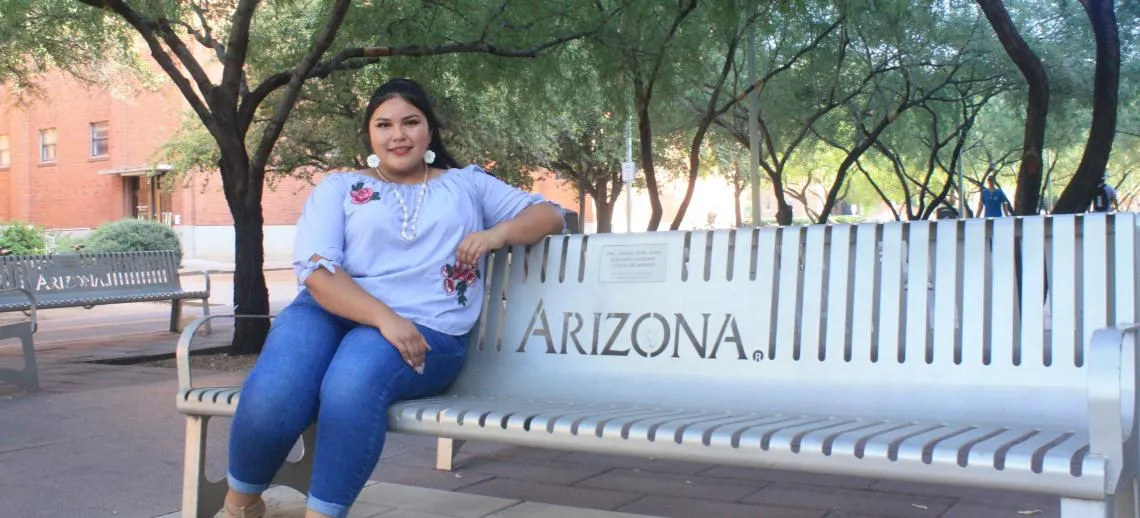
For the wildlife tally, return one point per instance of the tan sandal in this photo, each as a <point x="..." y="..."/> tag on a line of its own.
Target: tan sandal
<point x="256" y="510"/>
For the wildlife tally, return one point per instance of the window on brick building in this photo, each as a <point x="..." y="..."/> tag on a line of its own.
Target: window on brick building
<point x="100" y="132"/>
<point x="5" y="156"/>
<point x="47" y="145"/>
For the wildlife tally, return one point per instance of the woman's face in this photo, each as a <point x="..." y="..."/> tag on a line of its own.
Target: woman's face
<point x="399" y="135"/>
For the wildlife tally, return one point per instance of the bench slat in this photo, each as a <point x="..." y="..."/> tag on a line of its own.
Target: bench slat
<point x="889" y="285"/>
<point x="944" y="316"/>
<point x="1003" y="288"/>
<point x="992" y="451"/>
<point x="949" y="451"/>
<point x="838" y="294"/>
<point x="765" y="289"/>
<point x="1094" y="277"/>
<point x="811" y="316"/>
<point x="974" y="318"/>
<point x="1032" y="303"/>
<point x="1063" y="291"/>
<point x="1124" y="289"/>
<point x="788" y="299"/>
<point x="917" y="292"/>
<point x="639" y="427"/>
<point x="846" y="442"/>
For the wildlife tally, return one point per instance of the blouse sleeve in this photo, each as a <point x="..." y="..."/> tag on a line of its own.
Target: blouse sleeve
<point x="501" y="202"/>
<point x="320" y="230"/>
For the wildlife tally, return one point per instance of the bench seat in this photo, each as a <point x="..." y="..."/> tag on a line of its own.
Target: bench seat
<point x="1053" y="460"/>
<point x="50" y="301"/>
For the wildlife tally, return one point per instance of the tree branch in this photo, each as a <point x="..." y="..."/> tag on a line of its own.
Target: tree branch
<point x="146" y="29"/>
<point x="185" y="56"/>
<point x="360" y="57"/>
<point x="277" y="123"/>
<point x="788" y="64"/>
<point x="233" y="70"/>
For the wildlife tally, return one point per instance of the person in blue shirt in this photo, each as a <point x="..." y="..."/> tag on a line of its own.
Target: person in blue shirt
<point x="994" y="200"/>
<point x="390" y="262"/>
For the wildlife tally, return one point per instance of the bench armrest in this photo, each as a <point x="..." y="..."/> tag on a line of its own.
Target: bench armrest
<point x="185" y="340"/>
<point x="204" y="273"/>
<point x="31" y="309"/>
<point x="1112" y="368"/>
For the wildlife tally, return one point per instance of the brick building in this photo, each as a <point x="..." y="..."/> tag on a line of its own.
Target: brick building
<point x="79" y="156"/>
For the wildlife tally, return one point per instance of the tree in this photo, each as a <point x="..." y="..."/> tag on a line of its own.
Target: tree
<point x="265" y="66"/>
<point x="644" y="39"/>
<point x="794" y="100"/>
<point x="1106" y="84"/>
<point x="1027" y="199"/>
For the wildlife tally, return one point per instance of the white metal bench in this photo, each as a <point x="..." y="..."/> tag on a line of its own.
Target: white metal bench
<point x="899" y="350"/>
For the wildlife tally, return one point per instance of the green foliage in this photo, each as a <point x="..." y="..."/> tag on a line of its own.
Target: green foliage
<point x="133" y="235"/>
<point x="37" y="36"/>
<point x="20" y="238"/>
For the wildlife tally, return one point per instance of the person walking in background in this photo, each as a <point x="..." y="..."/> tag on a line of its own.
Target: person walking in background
<point x="1105" y="198"/>
<point x="994" y="201"/>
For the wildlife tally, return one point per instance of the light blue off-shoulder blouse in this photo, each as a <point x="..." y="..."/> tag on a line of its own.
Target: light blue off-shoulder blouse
<point x="353" y="221"/>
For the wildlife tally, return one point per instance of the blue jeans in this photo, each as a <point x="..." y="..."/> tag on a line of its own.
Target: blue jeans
<point x="316" y="365"/>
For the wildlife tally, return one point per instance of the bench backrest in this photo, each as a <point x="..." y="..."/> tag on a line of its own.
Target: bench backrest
<point x="863" y="320"/>
<point x="94" y="273"/>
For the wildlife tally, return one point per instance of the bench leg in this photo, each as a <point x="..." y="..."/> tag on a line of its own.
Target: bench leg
<point x="208" y="327"/>
<point x="201" y="498"/>
<point x="27" y="378"/>
<point x="1121" y="505"/>
<point x="445" y="451"/>
<point x="175" y="315"/>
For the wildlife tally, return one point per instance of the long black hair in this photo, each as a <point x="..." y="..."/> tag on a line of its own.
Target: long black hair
<point x="412" y="92"/>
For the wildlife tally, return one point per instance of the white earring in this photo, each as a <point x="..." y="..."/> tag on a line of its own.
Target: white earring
<point x="373" y="160"/>
<point x="429" y="156"/>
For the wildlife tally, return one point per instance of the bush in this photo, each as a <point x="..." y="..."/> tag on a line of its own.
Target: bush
<point x="133" y="235"/>
<point x="19" y="238"/>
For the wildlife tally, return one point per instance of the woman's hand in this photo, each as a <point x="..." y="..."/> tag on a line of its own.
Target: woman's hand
<point x="477" y="244"/>
<point x="406" y="338"/>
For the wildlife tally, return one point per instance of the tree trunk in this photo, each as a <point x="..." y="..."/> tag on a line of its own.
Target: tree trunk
<point x="1027" y="199"/>
<point x="250" y="294"/>
<point x="243" y="191"/>
<point x="1106" y="83"/>
<point x="783" y="208"/>
<point x="736" y="208"/>
<point x="645" y="146"/>
<point x="694" y="170"/>
<point x="605" y="214"/>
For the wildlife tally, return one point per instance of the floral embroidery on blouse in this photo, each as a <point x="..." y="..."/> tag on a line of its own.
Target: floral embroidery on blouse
<point x="361" y="194"/>
<point x="457" y="278"/>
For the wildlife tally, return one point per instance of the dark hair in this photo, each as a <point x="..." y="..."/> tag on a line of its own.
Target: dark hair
<point x="412" y="92"/>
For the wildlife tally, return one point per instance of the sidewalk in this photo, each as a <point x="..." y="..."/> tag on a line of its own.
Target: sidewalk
<point x="104" y="440"/>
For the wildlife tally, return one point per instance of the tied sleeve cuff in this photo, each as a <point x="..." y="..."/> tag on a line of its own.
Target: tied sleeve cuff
<point x="306" y="268"/>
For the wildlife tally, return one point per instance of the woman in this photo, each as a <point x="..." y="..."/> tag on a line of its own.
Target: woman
<point x="390" y="259"/>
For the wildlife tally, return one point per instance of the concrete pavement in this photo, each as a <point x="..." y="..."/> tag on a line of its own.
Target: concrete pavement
<point x="105" y="440"/>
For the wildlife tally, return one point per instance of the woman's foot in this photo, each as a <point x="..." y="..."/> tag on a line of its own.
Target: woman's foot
<point x="255" y="509"/>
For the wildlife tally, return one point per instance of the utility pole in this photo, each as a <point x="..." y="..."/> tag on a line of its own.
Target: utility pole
<point x="753" y="127"/>
<point x="627" y="174"/>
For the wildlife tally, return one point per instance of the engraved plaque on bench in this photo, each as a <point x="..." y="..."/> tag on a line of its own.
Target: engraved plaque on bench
<point x="634" y="263"/>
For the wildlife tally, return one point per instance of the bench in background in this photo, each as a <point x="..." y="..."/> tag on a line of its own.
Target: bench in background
<point x="86" y="280"/>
